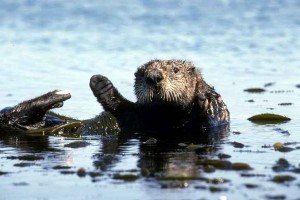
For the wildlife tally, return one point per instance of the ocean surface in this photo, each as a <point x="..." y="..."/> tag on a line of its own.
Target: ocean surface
<point x="47" y="45"/>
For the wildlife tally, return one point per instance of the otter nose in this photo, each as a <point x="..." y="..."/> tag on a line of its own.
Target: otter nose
<point x="154" y="78"/>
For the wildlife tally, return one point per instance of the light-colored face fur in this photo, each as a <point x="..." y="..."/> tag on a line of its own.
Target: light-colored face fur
<point x="177" y="82"/>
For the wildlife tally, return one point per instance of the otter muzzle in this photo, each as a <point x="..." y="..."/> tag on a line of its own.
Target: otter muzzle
<point x="154" y="78"/>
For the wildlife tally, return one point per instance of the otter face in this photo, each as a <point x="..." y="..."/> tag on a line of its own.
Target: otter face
<point x="161" y="81"/>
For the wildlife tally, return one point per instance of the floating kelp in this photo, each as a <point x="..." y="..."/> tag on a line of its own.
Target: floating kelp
<point x="278" y="146"/>
<point x="223" y="156"/>
<point x="275" y="197"/>
<point x="219" y="164"/>
<point x="25" y="157"/>
<point x="255" y="90"/>
<point x="268" y="118"/>
<point x="125" y="177"/>
<point x="217" y="189"/>
<point x="223" y="164"/>
<point x="250" y="101"/>
<point x="240" y="166"/>
<point x="281" y="165"/>
<point x="66" y="130"/>
<point x="251" y="185"/>
<point x="3" y="173"/>
<point x="67" y="172"/>
<point x="283" y="178"/>
<point x="285" y="104"/>
<point x="61" y="167"/>
<point x="23" y="164"/>
<point x="237" y="144"/>
<point x="269" y="84"/>
<point x="77" y="144"/>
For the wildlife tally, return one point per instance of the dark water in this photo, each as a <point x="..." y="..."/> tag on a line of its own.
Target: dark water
<point x="46" y="45"/>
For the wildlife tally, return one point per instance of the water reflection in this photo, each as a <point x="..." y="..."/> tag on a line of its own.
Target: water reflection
<point x="162" y="152"/>
<point x="17" y="139"/>
<point x="170" y="157"/>
<point x="167" y="154"/>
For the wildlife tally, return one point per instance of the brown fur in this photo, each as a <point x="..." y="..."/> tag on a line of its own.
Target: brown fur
<point x="181" y="84"/>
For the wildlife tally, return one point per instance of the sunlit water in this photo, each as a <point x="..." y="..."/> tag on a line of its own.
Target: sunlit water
<point x="47" y="45"/>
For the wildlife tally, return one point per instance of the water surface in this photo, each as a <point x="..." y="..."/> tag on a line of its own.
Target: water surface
<point x="47" y="45"/>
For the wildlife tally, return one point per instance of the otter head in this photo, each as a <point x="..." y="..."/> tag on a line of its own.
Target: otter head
<point x="166" y="81"/>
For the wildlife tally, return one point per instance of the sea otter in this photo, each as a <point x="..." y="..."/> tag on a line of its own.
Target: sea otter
<point x="171" y="96"/>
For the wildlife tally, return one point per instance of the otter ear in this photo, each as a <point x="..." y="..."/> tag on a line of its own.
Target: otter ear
<point x="192" y="70"/>
<point x="139" y="73"/>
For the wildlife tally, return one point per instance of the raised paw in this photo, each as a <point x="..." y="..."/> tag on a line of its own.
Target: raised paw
<point x="101" y="87"/>
<point x="107" y="95"/>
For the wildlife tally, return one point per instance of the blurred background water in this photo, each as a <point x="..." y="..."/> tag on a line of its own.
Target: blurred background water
<point x="47" y="45"/>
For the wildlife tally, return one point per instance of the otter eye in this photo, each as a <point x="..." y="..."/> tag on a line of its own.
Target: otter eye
<point x="175" y="69"/>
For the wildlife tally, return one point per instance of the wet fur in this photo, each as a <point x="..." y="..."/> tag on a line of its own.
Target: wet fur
<point x="177" y="86"/>
<point x="170" y="94"/>
<point x="30" y="114"/>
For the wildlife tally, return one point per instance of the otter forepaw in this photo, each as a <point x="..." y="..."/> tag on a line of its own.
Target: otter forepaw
<point x="202" y="102"/>
<point x="107" y="95"/>
<point x="101" y="87"/>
